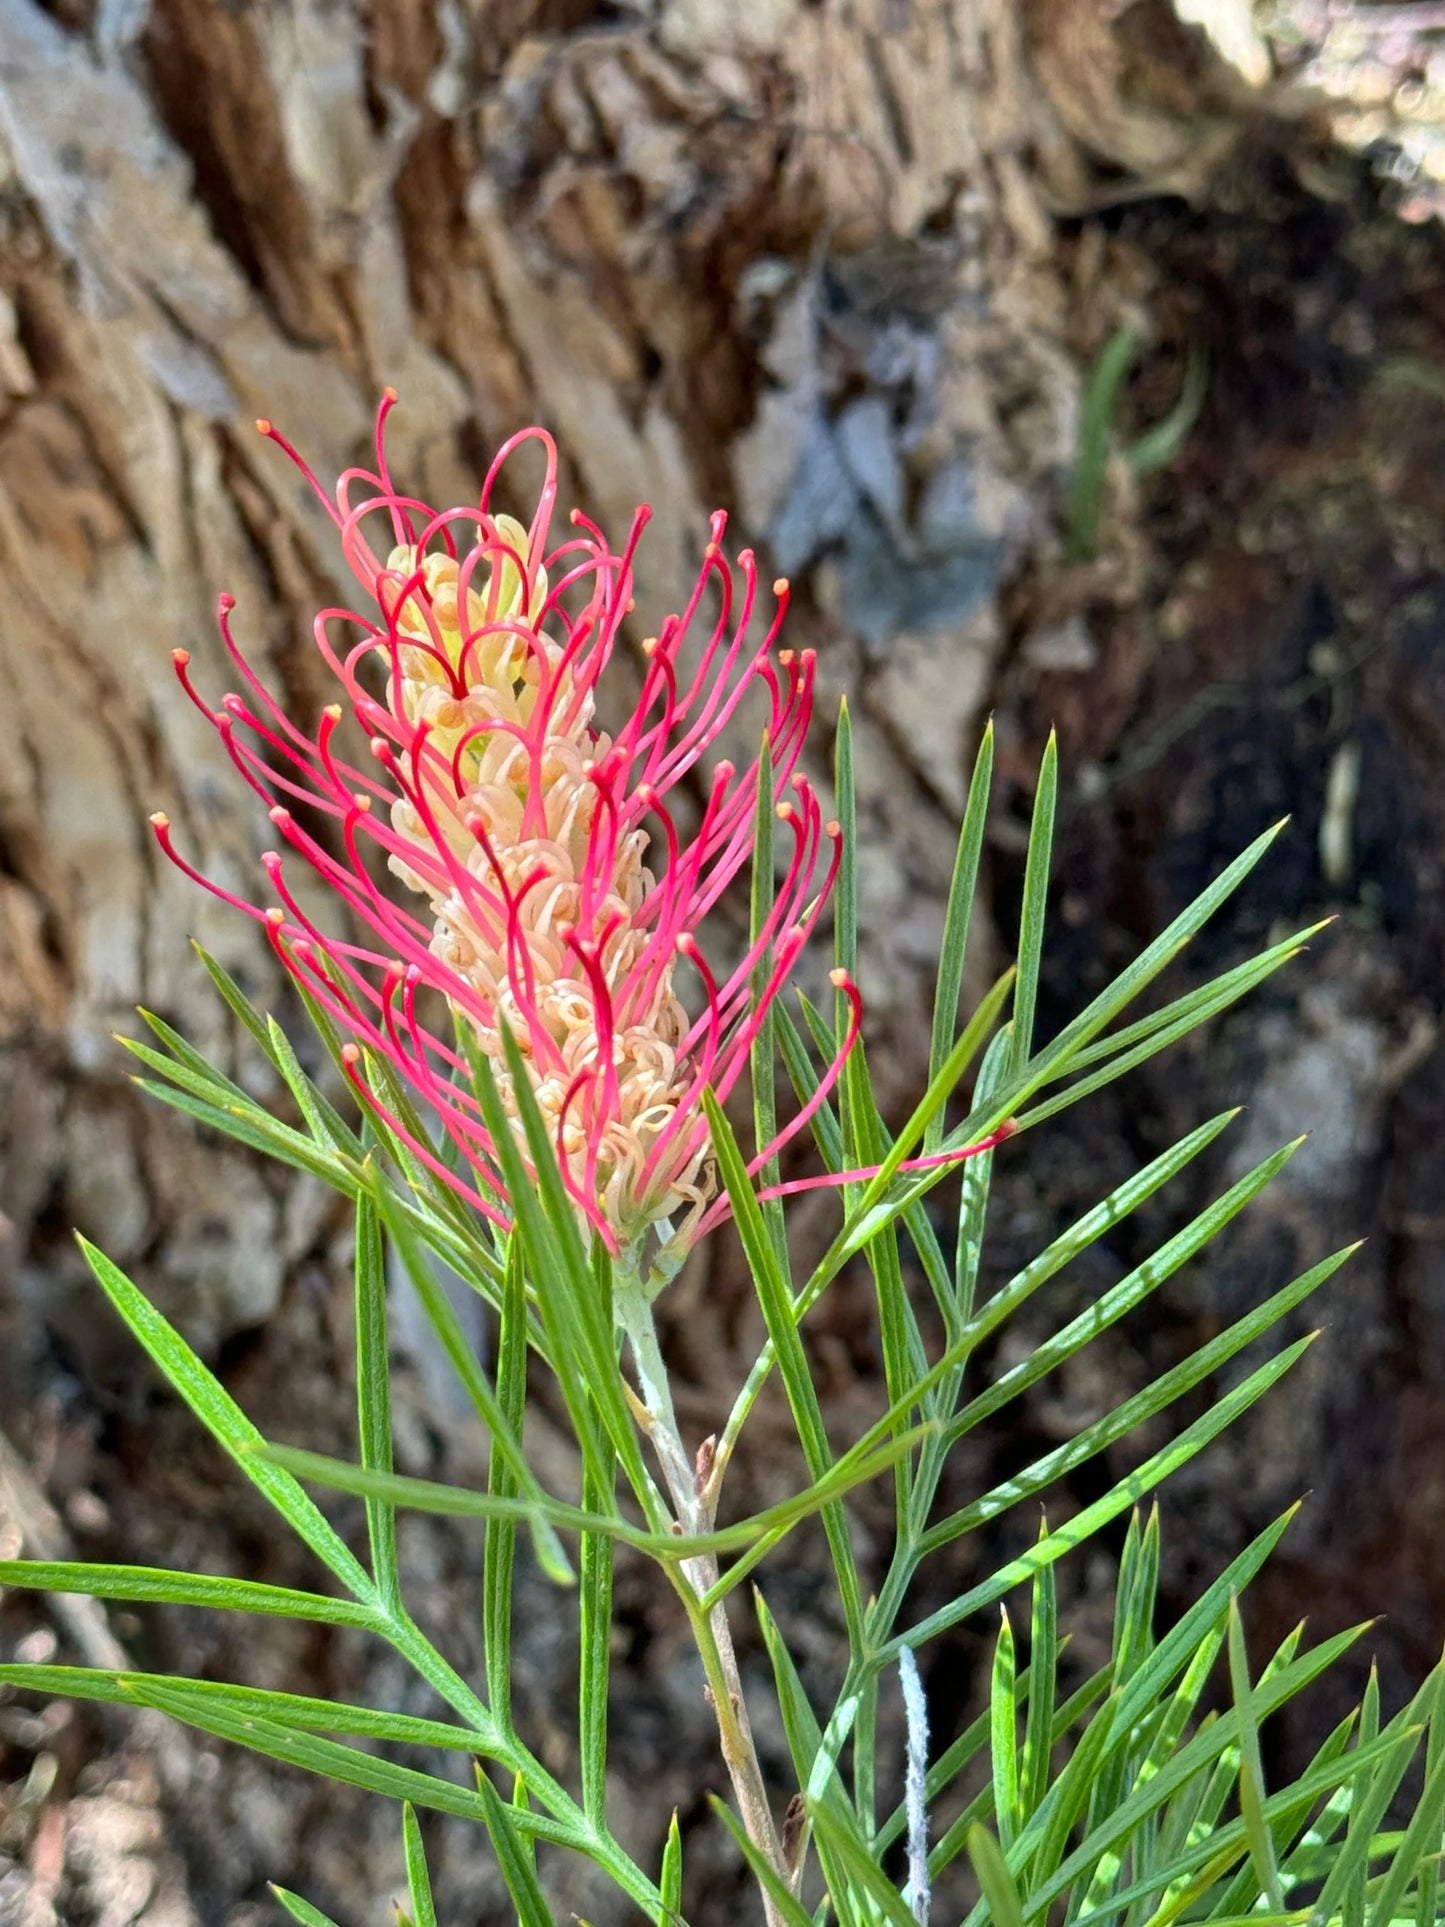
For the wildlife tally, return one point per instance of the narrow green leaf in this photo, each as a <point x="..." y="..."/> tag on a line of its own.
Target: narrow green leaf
<point x="973" y="1199"/>
<point x="300" y="1909"/>
<point x="991" y="1869"/>
<point x="815" y="1766"/>
<point x="418" y="1880"/>
<point x="231" y="993"/>
<point x="514" y="1857"/>
<point x="595" y="1643"/>
<point x="1091" y="456"/>
<point x="156" y="1584"/>
<point x="293" y="1747"/>
<point x="373" y="1397"/>
<point x="1251" y="1768"/>
<point x="504" y="1483"/>
<point x="1351" y="1867"/>
<point x="1003" y="1734"/>
<point x="225" y="1421"/>
<point x="1043" y="1675"/>
<point x="248" y="1702"/>
<point x="322" y="1119"/>
<point x="957" y="920"/>
<point x="1035" y="903"/>
<point x="845" y="894"/>
<point x="253" y="1128"/>
<point x="670" y="1880"/>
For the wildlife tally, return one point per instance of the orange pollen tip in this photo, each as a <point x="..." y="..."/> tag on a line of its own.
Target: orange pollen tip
<point x="180" y="657"/>
<point x="650" y="646"/>
<point x="362" y="802"/>
<point x="379" y="746"/>
<point x="275" y="918"/>
<point x="332" y="712"/>
<point x="786" y="658"/>
<point x="160" y="819"/>
<point x="833" y="828"/>
<point x="781" y="586"/>
<point x="712" y="551"/>
<point x="786" y="813"/>
<point x="389" y="394"/>
<point x="351" y="1053"/>
<point x="631" y="604"/>
<point x="838" y="979"/>
<point x="263" y="427"/>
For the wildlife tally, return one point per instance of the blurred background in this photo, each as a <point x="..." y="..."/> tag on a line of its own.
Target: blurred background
<point x="1083" y="362"/>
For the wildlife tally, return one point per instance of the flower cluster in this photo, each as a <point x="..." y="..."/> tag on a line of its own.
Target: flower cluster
<point x="561" y="892"/>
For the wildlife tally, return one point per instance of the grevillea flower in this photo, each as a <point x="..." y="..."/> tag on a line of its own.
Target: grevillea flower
<point x="550" y="889"/>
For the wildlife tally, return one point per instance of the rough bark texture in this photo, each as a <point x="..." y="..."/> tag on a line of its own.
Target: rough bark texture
<point x="842" y="267"/>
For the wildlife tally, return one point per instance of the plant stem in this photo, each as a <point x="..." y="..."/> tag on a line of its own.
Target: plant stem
<point x="710" y="1630"/>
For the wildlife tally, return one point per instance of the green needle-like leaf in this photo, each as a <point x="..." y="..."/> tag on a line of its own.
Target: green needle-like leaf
<point x="300" y="1909"/>
<point x="248" y="1702"/>
<point x="1042" y="1674"/>
<point x="1003" y="1734"/>
<point x="514" y="1857"/>
<point x="670" y="1879"/>
<point x="157" y="1585"/>
<point x="1035" y="903"/>
<point x="595" y="1646"/>
<point x="225" y="1421"/>
<point x="1251" y="1768"/>
<point x="373" y="1397"/>
<point x="991" y="1869"/>
<point x="418" y="1880"/>
<point x="957" y="919"/>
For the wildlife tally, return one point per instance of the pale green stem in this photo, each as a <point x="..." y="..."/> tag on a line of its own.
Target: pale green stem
<point x="710" y="1629"/>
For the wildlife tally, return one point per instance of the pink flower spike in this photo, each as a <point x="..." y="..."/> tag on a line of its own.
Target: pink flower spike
<point x="553" y="889"/>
